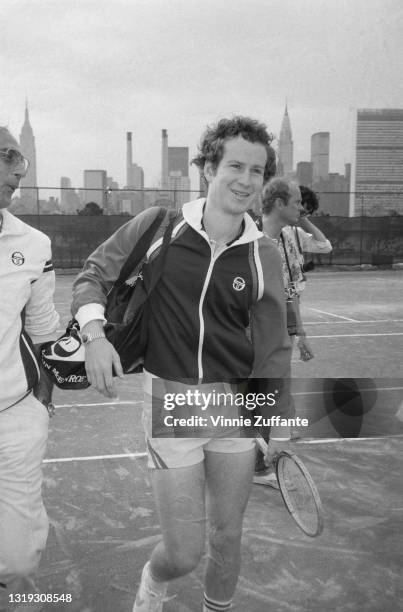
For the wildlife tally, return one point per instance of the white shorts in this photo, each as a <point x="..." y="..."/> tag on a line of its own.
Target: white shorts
<point x="177" y="446"/>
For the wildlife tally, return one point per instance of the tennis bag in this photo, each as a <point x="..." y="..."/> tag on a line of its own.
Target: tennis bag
<point x="127" y="314"/>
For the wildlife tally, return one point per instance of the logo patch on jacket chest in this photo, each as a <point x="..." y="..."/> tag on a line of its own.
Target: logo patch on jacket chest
<point x="17" y="258"/>
<point x="238" y="283"/>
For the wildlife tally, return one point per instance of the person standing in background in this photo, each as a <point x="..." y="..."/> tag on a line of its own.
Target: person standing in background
<point x="285" y="222"/>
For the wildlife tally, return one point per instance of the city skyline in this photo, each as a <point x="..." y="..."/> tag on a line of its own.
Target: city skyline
<point x="277" y="143"/>
<point x="377" y="164"/>
<point x="93" y="71"/>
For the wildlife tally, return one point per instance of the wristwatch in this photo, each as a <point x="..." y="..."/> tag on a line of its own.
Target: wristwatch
<point x="87" y="338"/>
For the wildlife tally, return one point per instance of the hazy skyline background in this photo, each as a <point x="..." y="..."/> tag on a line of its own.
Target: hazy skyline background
<point x="93" y="70"/>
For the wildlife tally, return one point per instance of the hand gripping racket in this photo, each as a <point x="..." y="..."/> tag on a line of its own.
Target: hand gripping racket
<point x="298" y="490"/>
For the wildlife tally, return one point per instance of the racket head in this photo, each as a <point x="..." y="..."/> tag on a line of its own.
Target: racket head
<point x="299" y="493"/>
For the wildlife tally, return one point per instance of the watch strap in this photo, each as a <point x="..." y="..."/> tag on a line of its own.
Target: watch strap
<point x="91" y="336"/>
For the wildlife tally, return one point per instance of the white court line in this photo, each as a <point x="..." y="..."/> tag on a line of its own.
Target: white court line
<point x="124" y="403"/>
<point x="96" y="458"/>
<point x="141" y="455"/>
<point x="352" y="321"/>
<point x="358" y="335"/>
<point x="117" y="403"/>
<point x="360" y="390"/>
<point x="331" y="440"/>
<point x="334" y="315"/>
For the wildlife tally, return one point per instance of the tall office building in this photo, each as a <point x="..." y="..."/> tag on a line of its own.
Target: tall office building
<point x="379" y="162"/>
<point x="174" y="173"/>
<point x="304" y="173"/>
<point x="69" y="200"/>
<point x="320" y="145"/>
<point x="332" y="188"/>
<point x="29" y="197"/>
<point x="334" y="193"/>
<point x="285" y="146"/>
<point x="178" y="174"/>
<point x="178" y="160"/>
<point x="113" y="196"/>
<point x="134" y="172"/>
<point x="179" y="187"/>
<point x="137" y="177"/>
<point x="95" y="186"/>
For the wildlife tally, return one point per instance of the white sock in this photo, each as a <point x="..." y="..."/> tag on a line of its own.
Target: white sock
<point x="212" y="605"/>
<point x="155" y="585"/>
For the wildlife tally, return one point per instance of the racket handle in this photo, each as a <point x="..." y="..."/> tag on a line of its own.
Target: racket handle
<point x="261" y="443"/>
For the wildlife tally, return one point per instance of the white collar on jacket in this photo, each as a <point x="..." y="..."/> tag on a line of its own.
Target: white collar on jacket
<point x="13" y="225"/>
<point x="193" y="212"/>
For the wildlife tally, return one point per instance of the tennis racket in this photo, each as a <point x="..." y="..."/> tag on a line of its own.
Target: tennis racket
<point x="298" y="490"/>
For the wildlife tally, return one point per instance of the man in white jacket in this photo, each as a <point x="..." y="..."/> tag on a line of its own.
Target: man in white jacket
<point x="27" y="319"/>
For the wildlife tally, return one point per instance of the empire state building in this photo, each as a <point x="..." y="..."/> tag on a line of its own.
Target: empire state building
<point x="29" y="194"/>
<point x="285" y="146"/>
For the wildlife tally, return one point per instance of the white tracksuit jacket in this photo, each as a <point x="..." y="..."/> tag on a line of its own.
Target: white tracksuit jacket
<point x="27" y="312"/>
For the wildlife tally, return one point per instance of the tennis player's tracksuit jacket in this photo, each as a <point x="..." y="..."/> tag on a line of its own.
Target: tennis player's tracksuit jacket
<point x="203" y="303"/>
<point x="27" y="312"/>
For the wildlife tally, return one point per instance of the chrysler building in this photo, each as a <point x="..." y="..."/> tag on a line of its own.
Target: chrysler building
<point x="285" y="146"/>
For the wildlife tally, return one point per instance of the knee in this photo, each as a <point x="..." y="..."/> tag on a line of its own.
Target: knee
<point x="223" y="538"/>
<point x="183" y="562"/>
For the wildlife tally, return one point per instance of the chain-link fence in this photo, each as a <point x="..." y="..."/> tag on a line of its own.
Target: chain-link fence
<point x="92" y="201"/>
<point x="77" y="229"/>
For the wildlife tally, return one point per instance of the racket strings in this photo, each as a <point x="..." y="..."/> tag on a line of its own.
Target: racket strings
<point x="298" y="495"/>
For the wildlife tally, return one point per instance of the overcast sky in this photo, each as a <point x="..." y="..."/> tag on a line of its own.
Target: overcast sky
<point x="95" y="69"/>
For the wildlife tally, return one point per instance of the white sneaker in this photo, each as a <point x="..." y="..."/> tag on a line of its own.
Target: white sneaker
<point x="148" y="600"/>
<point x="267" y="477"/>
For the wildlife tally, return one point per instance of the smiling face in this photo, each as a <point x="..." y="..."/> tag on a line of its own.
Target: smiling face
<point x="234" y="183"/>
<point x="10" y="173"/>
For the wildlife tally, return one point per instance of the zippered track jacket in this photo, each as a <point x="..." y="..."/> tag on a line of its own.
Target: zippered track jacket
<point x="214" y="317"/>
<point x="27" y="312"/>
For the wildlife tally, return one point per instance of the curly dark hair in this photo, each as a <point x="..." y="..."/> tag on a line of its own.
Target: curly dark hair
<point x="211" y="148"/>
<point x="309" y="199"/>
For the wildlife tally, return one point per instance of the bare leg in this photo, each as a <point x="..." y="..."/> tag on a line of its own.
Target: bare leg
<point x="180" y="499"/>
<point x="229" y="479"/>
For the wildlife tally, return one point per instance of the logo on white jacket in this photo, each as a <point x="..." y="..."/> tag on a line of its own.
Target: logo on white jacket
<point x="17" y="258"/>
<point x="238" y="283"/>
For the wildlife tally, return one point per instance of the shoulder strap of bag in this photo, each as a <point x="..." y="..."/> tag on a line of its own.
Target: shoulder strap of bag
<point x="286" y="258"/>
<point x="140" y="248"/>
<point x="160" y="259"/>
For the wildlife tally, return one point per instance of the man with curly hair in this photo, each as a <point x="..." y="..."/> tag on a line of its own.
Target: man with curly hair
<point x="217" y="316"/>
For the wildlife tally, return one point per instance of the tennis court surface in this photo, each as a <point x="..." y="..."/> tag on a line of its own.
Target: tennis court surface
<point x="99" y="500"/>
